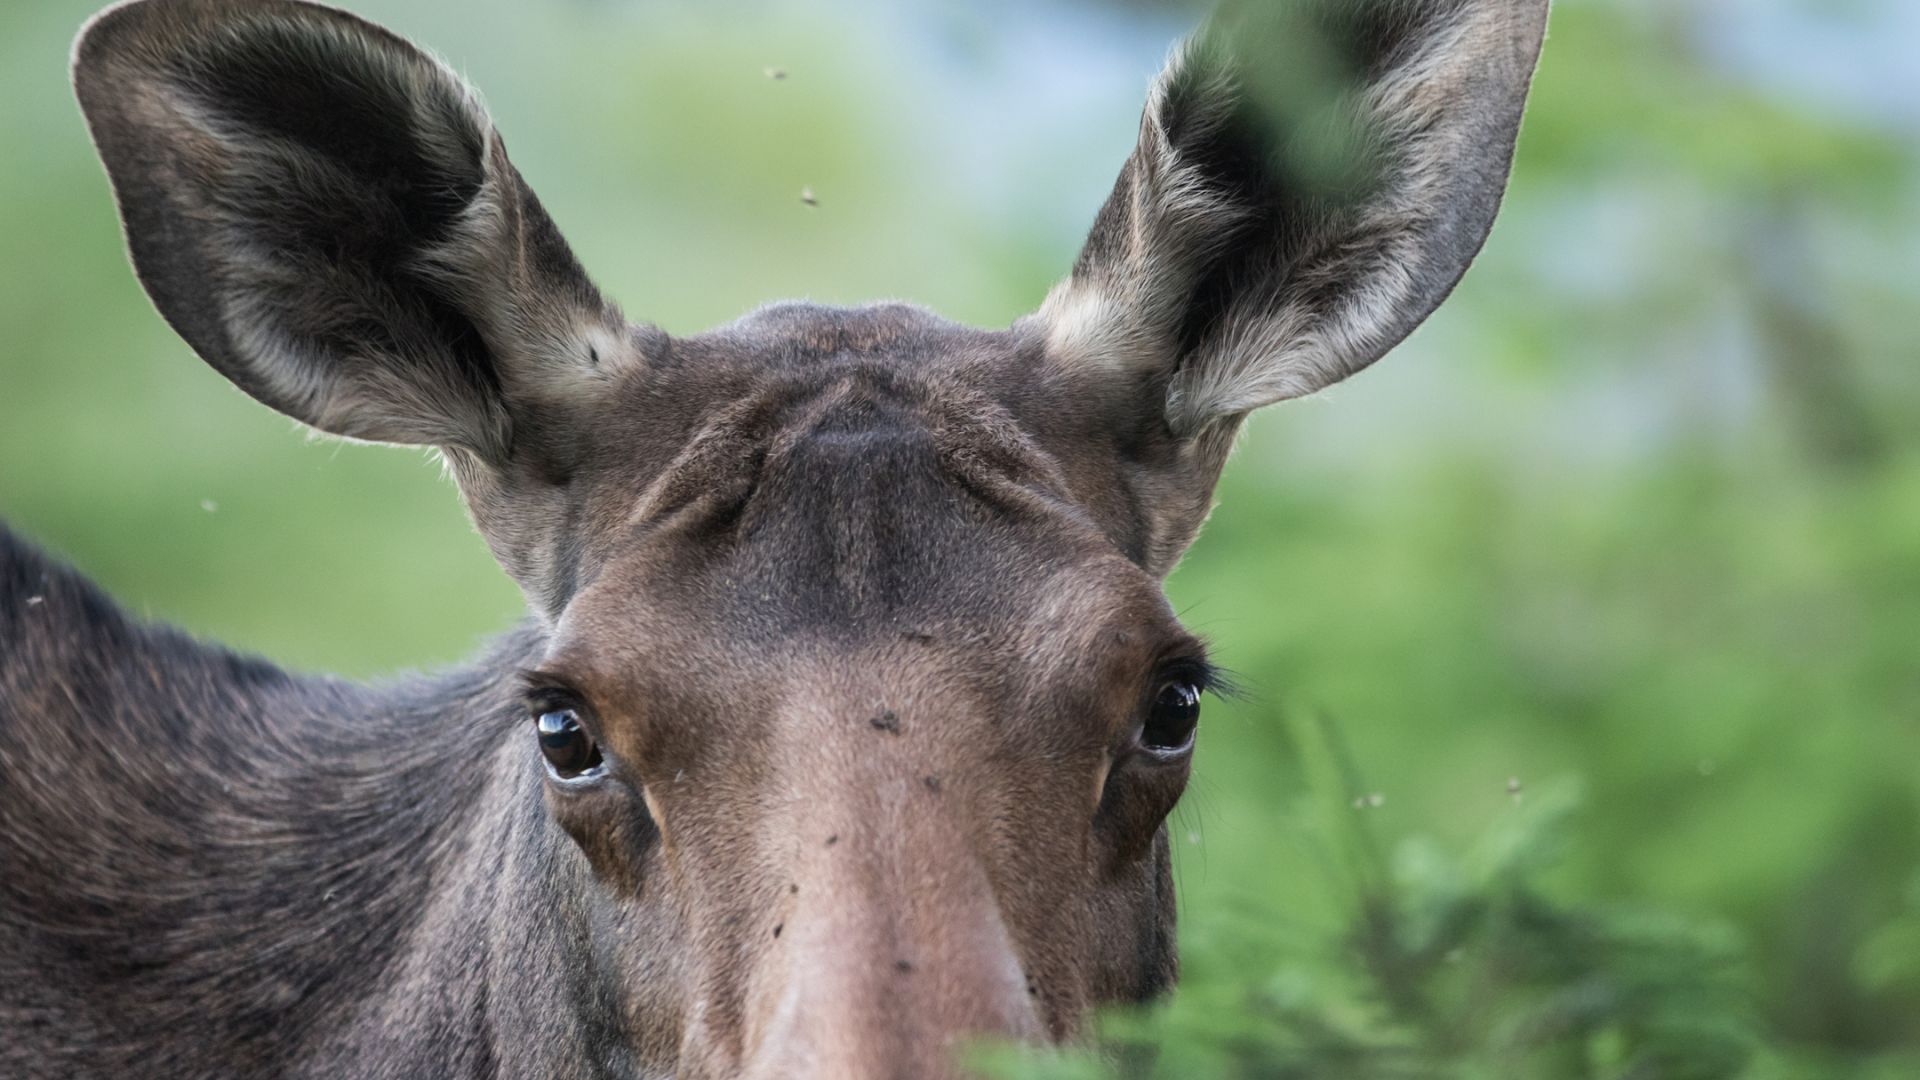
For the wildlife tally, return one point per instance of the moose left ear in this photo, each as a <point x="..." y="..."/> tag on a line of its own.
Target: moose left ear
<point x="325" y="213"/>
<point x="1312" y="178"/>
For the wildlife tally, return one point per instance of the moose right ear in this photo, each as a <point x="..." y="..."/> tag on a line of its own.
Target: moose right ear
<point x="1312" y="178"/>
<point x="327" y="216"/>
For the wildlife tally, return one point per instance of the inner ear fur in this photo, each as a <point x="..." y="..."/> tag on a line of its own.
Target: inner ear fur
<point x="325" y="213"/>
<point x="1312" y="178"/>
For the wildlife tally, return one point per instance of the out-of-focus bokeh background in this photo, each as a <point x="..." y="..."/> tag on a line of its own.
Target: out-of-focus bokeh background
<point x="1581" y="634"/>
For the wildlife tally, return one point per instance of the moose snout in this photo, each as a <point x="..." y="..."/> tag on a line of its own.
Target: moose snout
<point x="896" y="952"/>
<point x="870" y="998"/>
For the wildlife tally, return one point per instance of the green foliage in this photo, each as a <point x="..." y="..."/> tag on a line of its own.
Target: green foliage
<point x="1459" y="967"/>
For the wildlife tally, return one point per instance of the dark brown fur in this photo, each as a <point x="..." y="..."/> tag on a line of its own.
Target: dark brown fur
<point x="862" y="608"/>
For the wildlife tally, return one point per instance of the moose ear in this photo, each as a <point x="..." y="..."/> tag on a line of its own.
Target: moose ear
<point x="1312" y="178"/>
<point x="327" y="216"/>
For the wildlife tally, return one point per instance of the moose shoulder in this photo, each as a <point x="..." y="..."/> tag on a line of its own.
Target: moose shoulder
<point x="849" y="708"/>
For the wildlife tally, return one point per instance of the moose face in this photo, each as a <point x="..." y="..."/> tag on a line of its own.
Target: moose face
<point x="859" y="697"/>
<point x="859" y="684"/>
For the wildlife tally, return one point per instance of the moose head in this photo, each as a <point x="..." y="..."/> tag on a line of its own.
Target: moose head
<point x="852" y="708"/>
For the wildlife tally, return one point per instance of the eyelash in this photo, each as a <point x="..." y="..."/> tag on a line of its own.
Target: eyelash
<point x="1204" y="676"/>
<point x="543" y="695"/>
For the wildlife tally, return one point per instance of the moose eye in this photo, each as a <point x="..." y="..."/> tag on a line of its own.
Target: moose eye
<point x="565" y="744"/>
<point x="1171" y="719"/>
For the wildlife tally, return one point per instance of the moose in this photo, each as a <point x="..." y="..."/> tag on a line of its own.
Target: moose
<point x="848" y="710"/>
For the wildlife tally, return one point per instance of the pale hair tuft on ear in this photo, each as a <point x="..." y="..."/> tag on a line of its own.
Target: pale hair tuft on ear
<point x="1114" y="308"/>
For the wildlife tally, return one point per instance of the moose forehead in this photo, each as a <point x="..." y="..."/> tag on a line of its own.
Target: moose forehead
<point x="839" y="480"/>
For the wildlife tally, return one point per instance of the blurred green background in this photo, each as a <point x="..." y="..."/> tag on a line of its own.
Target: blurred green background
<point x="1581" y="635"/>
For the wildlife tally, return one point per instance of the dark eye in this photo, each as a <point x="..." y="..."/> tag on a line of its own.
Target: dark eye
<point x="1171" y="719"/>
<point x="565" y="744"/>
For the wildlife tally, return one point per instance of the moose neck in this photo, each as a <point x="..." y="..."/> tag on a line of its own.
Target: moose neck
<point x="276" y="872"/>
